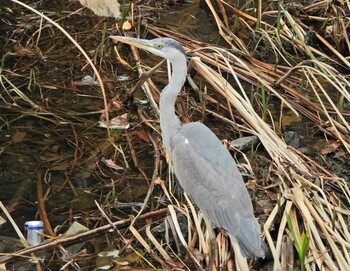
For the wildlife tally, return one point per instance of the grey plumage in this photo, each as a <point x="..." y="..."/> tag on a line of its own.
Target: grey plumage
<point x="203" y="166"/>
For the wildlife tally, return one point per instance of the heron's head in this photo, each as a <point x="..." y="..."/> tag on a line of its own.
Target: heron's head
<point x="163" y="47"/>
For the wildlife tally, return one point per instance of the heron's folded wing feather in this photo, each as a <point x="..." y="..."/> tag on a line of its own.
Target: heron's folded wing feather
<point x="208" y="173"/>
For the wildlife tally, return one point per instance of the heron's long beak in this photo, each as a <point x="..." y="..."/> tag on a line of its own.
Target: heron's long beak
<point x="140" y="43"/>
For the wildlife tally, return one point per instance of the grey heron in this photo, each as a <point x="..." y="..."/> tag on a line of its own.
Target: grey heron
<point x="203" y="166"/>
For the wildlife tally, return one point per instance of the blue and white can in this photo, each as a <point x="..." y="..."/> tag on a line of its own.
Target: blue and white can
<point x="33" y="232"/>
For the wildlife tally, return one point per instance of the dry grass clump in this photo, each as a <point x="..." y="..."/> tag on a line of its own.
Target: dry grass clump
<point x="317" y="216"/>
<point x="298" y="184"/>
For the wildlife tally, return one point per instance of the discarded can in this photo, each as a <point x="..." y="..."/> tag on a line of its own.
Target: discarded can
<point x="33" y="232"/>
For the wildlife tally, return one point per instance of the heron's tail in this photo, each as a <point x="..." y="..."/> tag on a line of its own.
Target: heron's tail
<point x="249" y="240"/>
<point x="247" y="252"/>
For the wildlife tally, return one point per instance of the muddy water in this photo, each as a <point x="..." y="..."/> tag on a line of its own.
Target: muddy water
<point x="51" y="133"/>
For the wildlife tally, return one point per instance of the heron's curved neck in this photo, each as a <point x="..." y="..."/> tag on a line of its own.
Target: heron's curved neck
<point x="169" y="122"/>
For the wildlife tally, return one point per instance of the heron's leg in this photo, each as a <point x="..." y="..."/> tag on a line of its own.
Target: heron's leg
<point x="241" y="262"/>
<point x="212" y="245"/>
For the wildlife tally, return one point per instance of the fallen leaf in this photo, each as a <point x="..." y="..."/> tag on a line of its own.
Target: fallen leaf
<point x="159" y="181"/>
<point x="126" y="25"/>
<point x="110" y="163"/>
<point x="115" y="253"/>
<point x="143" y="135"/>
<point x="18" y="137"/>
<point x="19" y="31"/>
<point x="117" y="105"/>
<point x="339" y="154"/>
<point x="55" y="148"/>
<point x="336" y="144"/>
<point x="272" y="196"/>
<point x="251" y="185"/>
<point x="119" y="122"/>
<point x="23" y="52"/>
<point x="61" y="167"/>
<point x="128" y="259"/>
<point x="331" y="148"/>
<point x="104" y="8"/>
<point x="328" y="150"/>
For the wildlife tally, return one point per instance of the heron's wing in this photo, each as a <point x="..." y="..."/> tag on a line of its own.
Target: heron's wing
<point x="208" y="173"/>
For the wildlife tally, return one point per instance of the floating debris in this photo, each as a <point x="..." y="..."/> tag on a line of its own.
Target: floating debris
<point x="75" y="228"/>
<point x="244" y="143"/>
<point x="292" y="138"/>
<point x="110" y="163"/>
<point x="119" y="122"/>
<point x="104" y="8"/>
<point x="89" y="81"/>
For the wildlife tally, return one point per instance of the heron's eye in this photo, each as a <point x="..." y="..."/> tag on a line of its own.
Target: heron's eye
<point x="159" y="45"/>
